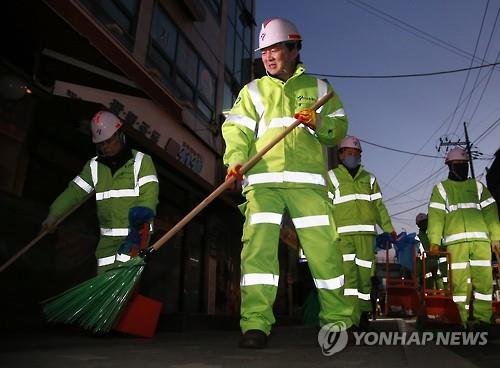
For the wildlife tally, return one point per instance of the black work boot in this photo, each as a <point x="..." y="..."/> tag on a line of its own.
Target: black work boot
<point x="364" y="322"/>
<point x="253" y="339"/>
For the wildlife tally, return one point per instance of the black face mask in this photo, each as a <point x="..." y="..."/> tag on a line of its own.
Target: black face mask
<point x="459" y="171"/>
<point x="422" y="225"/>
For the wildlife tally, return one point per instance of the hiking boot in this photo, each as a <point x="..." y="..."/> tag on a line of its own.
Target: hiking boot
<point x="253" y="339"/>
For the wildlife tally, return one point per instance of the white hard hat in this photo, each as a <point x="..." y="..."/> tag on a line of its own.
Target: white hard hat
<point x="350" y="141"/>
<point x="420" y="217"/>
<point x="276" y="30"/>
<point x="103" y="125"/>
<point x="456" y="154"/>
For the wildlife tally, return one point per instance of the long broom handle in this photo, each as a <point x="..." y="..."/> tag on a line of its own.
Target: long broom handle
<point x="228" y="182"/>
<point x="42" y="234"/>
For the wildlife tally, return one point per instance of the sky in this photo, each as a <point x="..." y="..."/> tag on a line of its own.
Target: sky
<point x="400" y="37"/>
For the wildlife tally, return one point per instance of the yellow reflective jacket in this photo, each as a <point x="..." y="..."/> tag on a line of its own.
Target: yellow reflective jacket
<point x="462" y="211"/>
<point x="132" y="185"/>
<point x="357" y="202"/>
<point x="263" y="109"/>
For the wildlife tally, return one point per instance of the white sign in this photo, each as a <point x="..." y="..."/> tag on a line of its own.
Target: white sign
<point x="153" y="122"/>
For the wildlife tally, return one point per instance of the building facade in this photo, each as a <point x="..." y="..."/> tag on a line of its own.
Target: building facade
<point x="168" y="68"/>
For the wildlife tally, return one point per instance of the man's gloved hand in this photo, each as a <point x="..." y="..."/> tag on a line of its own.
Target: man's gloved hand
<point x="434" y="249"/>
<point x="495" y="246"/>
<point x="132" y="241"/>
<point x="49" y="224"/>
<point x="394" y="235"/>
<point x="137" y="217"/>
<point x="307" y="116"/>
<point x="234" y="170"/>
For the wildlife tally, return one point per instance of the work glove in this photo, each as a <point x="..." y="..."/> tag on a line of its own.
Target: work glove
<point x="137" y="217"/>
<point x="234" y="171"/>
<point x="307" y="117"/>
<point x="49" y="224"/>
<point x="394" y="235"/>
<point x="434" y="249"/>
<point x="495" y="246"/>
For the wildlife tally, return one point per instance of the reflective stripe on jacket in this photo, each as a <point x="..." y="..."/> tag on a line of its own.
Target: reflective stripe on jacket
<point x="462" y="211"/>
<point x="263" y="109"/>
<point x="357" y="202"/>
<point x="134" y="184"/>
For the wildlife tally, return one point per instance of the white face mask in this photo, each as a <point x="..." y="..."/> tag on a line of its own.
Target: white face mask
<point x="351" y="162"/>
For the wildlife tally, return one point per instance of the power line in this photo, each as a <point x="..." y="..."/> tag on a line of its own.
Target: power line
<point x="428" y="139"/>
<point x="414" y="186"/>
<point x="404" y="75"/>
<point x="468" y="72"/>
<point x="487" y="131"/>
<point x="409" y="209"/>
<point x="479" y="73"/>
<point x="485" y="87"/>
<point x="398" y="150"/>
<point x="411" y="29"/>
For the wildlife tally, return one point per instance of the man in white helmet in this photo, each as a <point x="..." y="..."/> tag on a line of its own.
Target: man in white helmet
<point x="357" y="209"/>
<point x="126" y="191"/>
<point x="463" y="217"/>
<point x="290" y="177"/>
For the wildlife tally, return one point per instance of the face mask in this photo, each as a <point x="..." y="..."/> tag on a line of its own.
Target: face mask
<point x="422" y="225"/>
<point x="351" y="162"/>
<point x="460" y="171"/>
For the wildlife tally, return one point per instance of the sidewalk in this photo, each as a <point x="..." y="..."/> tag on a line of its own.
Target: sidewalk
<point x="290" y="346"/>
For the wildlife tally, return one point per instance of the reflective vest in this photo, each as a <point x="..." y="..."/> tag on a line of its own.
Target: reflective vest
<point x="357" y="202"/>
<point x="462" y="211"/>
<point x="263" y="109"/>
<point x="133" y="184"/>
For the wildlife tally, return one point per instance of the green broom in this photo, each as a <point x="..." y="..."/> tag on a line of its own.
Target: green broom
<point x="97" y="303"/>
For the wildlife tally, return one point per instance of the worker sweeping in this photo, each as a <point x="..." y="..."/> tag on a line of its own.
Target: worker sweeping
<point x="126" y="191"/>
<point x="357" y="209"/>
<point x="463" y="215"/>
<point x="433" y="276"/>
<point x="290" y="177"/>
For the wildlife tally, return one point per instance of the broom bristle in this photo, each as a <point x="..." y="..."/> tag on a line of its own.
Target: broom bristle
<point x="96" y="303"/>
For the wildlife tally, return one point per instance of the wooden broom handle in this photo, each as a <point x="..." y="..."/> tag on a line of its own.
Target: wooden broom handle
<point x="43" y="233"/>
<point x="229" y="181"/>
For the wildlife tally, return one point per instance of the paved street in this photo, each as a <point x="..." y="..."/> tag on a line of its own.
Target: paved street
<point x="290" y="346"/>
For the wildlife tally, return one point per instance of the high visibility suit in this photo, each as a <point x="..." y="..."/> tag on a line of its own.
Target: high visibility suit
<point x="132" y="185"/>
<point x="433" y="276"/>
<point x="290" y="177"/>
<point x="357" y="208"/>
<point x="463" y="214"/>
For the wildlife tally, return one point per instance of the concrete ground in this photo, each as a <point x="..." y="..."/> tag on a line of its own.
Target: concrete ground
<point x="290" y="346"/>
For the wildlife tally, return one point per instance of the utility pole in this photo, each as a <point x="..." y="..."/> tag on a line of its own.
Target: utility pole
<point x="446" y="142"/>
<point x="469" y="152"/>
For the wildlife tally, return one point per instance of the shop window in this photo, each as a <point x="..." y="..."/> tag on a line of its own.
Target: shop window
<point x="118" y="16"/>
<point x="214" y="6"/>
<point x="176" y="63"/>
<point x="228" y="98"/>
<point x="187" y="60"/>
<point x="164" y="33"/>
<point x="206" y="83"/>
<point x="239" y="49"/>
